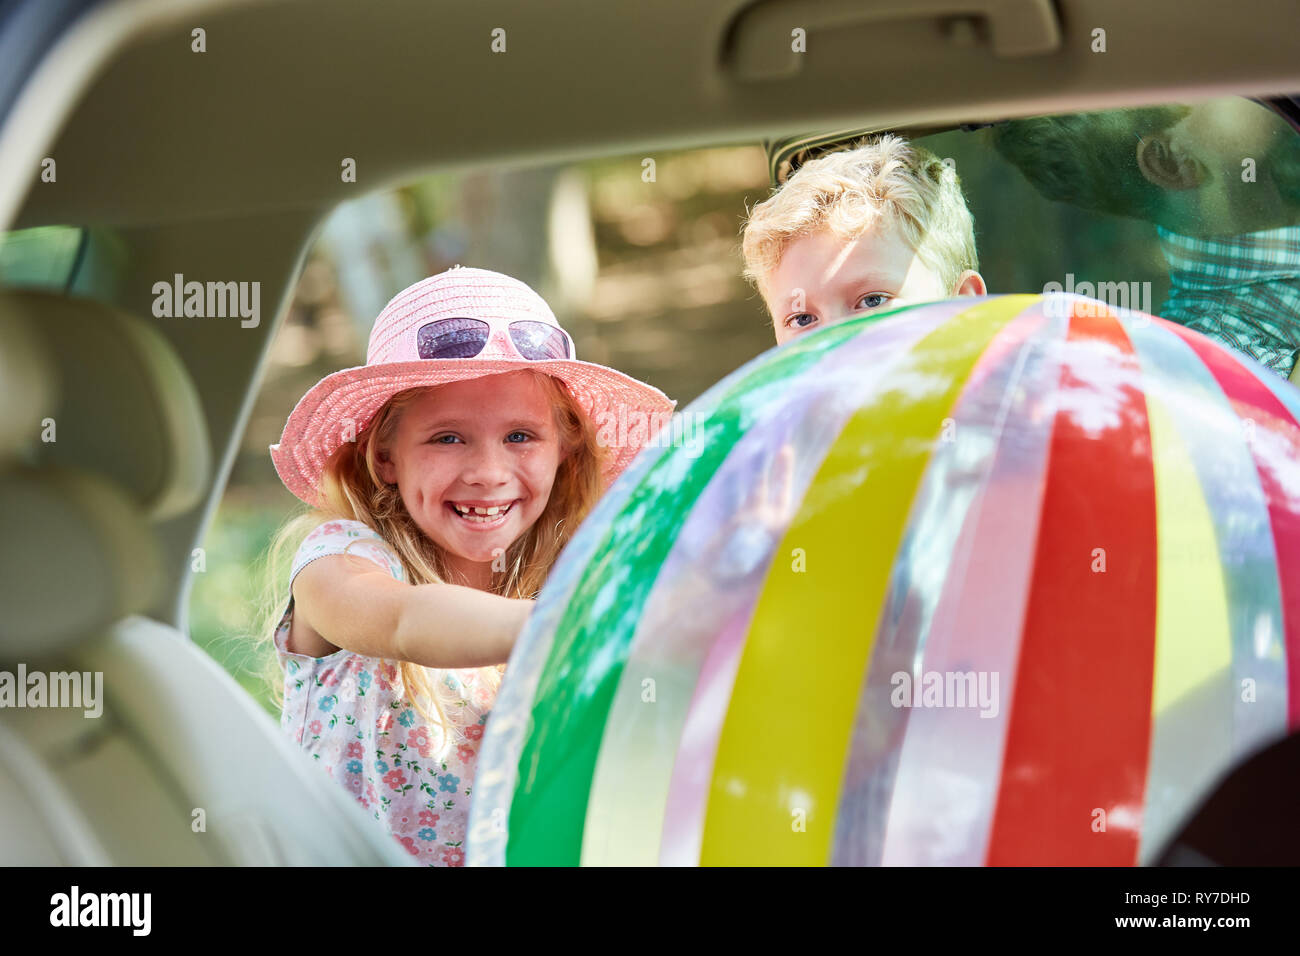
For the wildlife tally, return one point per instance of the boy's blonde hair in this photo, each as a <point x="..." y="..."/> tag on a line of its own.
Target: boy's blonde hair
<point x="352" y="489"/>
<point x="850" y="190"/>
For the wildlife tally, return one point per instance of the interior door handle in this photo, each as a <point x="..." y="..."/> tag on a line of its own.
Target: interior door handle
<point x="760" y="36"/>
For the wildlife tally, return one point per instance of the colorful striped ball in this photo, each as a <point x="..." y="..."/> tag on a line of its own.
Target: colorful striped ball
<point x="1003" y="581"/>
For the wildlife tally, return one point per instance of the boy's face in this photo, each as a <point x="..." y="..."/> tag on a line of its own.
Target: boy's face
<point x="822" y="280"/>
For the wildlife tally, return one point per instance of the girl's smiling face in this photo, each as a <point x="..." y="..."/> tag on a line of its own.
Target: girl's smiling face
<point x="474" y="462"/>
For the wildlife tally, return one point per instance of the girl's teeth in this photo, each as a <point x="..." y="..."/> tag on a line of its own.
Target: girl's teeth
<point x="473" y="511"/>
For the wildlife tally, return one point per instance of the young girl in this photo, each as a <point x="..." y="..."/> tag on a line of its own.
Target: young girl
<point x="445" y="476"/>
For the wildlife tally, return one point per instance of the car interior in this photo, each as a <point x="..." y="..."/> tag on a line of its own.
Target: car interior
<point x="207" y="139"/>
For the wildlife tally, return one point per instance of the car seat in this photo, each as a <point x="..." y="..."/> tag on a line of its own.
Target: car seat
<point x="102" y="437"/>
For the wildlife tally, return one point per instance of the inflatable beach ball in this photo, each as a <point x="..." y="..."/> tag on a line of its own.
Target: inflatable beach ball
<point x="1011" y="580"/>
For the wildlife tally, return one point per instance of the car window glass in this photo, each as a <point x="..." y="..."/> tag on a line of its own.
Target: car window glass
<point x="1190" y="211"/>
<point x="81" y="261"/>
<point x="44" y="257"/>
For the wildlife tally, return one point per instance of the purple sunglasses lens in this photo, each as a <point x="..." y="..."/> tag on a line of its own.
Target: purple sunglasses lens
<point x="452" y="338"/>
<point x="537" y="341"/>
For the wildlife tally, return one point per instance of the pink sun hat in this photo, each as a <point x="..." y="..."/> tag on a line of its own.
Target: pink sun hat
<point x="460" y="324"/>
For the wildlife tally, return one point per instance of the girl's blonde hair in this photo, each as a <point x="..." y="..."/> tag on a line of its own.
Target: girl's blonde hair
<point x="850" y="190"/>
<point x="351" y="489"/>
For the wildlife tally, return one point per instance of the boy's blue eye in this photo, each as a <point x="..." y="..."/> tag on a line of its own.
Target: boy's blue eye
<point x="522" y="436"/>
<point x="795" y="321"/>
<point x="873" y="300"/>
<point x="442" y="440"/>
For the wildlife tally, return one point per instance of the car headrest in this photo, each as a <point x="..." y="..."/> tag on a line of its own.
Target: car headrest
<point x="26" y="385"/>
<point x="76" y="556"/>
<point x="117" y="400"/>
<point x="101" y="435"/>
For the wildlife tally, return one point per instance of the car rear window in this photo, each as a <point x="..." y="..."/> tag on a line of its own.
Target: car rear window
<point x="44" y="257"/>
<point x="72" y="259"/>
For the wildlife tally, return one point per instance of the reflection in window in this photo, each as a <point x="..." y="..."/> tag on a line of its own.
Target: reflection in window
<point x="1220" y="182"/>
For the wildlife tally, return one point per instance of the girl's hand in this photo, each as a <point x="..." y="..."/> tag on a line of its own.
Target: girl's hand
<point x="523" y="610"/>
<point x="757" y="526"/>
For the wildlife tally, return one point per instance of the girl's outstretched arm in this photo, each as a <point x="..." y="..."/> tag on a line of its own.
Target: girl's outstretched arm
<point x="351" y="603"/>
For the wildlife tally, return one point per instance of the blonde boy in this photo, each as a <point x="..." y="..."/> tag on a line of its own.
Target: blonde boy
<point x="875" y="227"/>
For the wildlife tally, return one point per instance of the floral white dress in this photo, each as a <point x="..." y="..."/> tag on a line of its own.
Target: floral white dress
<point x="351" y="713"/>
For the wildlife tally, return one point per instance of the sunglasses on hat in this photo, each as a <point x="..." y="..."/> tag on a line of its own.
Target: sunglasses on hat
<point x="466" y="338"/>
